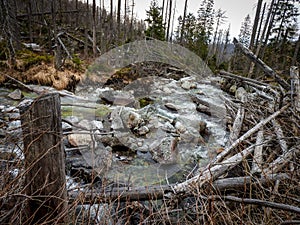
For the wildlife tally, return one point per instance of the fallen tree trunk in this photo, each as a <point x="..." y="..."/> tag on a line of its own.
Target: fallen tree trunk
<point x="258" y="126"/>
<point x="268" y="70"/>
<point x="123" y="194"/>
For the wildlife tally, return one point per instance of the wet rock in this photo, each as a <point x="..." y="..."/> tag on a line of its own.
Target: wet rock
<point x="72" y="119"/>
<point x="66" y="127"/>
<point x="16" y="95"/>
<point x="94" y="214"/>
<point x="97" y="125"/>
<point x="80" y="139"/>
<point x="203" y="109"/>
<point x="180" y="128"/>
<point x="99" y="159"/>
<point x="165" y="150"/>
<point x="188" y="83"/>
<point x="168" y="127"/>
<point x="143" y="130"/>
<point x="85" y="124"/>
<point x="118" y="98"/>
<point x="171" y="107"/>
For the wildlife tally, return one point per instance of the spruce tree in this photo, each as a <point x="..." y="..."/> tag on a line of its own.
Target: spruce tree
<point x="245" y="31"/>
<point x="156" y="27"/>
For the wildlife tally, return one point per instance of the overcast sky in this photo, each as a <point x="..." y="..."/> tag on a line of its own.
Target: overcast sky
<point x="236" y="10"/>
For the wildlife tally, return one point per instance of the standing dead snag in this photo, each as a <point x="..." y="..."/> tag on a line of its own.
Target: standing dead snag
<point x="295" y="87"/>
<point x="44" y="160"/>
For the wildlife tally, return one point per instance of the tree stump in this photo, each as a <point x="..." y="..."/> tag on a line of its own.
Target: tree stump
<point x="44" y="161"/>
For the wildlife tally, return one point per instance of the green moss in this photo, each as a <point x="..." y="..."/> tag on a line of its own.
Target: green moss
<point x="30" y="58"/>
<point x="77" y="61"/>
<point x="145" y="101"/>
<point x="85" y="113"/>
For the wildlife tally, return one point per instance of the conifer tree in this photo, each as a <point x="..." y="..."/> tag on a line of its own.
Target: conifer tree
<point x="245" y="31"/>
<point x="156" y="27"/>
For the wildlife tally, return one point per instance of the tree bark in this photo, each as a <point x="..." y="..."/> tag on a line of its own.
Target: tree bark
<point x="183" y="21"/>
<point x="255" y="24"/>
<point x="94" y="29"/>
<point x="119" y="16"/>
<point x="169" y="21"/>
<point x="44" y="160"/>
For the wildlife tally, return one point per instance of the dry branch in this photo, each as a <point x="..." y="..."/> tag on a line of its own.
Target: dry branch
<point x="280" y="135"/>
<point x="257" y="202"/>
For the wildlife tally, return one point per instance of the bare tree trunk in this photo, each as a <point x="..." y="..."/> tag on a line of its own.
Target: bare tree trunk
<point x="119" y="16"/>
<point x="57" y="52"/>
<point x="295" y="88"/>
<point x="183" y="21"/>
<point x="169" y="20"/>
<point x="294" y="60"/>
<point x="173" y="19"/>
<point x="131" y="20"/>
<point x="94" y="29"/>
<point x="7" y="25"/>
<point x="29" y="12"/>
<point x="44" y="161"/>
<point x="255" y="24"/>
<point x="86" y="35"/>
<point x="77" y="14"/>
<point x="269" y="25"/>
<point x="260" y="25"/>
<point x="165" y="15"/>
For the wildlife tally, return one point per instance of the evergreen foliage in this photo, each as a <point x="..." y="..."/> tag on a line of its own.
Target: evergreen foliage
<point x="156" y="27"/>
<point x="245" y="31"/>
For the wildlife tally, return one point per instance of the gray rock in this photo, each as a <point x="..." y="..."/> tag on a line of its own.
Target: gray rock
<point x="143" y="130"/>
<point x="80" y="139"/>
<point x="16" y="95"/>
<point x="66" y="126"/>
<point x="72" y="119"/>
<point x="97" y="125"/>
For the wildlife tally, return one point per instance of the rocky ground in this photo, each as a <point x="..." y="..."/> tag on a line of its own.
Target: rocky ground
<point x="128" y="134"/>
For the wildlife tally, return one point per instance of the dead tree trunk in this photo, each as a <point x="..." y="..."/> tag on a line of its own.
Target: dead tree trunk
<point x="44" y="160"/>
<point x="268" y="70"/>
<point x="295" y="83"/>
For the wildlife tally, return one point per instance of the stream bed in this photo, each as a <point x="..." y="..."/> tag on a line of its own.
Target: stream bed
<point x="153" y="131"/>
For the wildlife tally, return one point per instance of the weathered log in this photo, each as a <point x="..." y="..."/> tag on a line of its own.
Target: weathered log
<point x="64" y="47"/>
<point x="258" y="153"/>
<point x="124" y="194"/>
<point x="268" y="70"/>
<point x="253" y="130"/>
<point x="24" y="86"/>
<point x="280" y="136"/>
<point x="44" y="160"/>
<point x="239" y="118"/>
<point x="295" y="87"/>
<point x="213" y="171"/>
<point x="266" y="88"/>
<point x="282" y="160"/>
